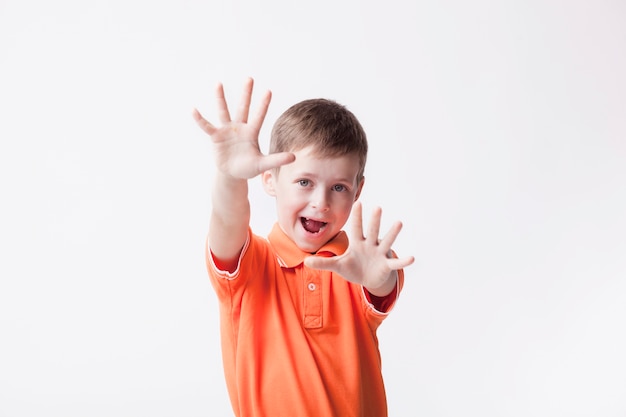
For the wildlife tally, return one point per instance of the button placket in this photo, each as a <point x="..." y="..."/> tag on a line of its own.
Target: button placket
<point x="312" y="301"/>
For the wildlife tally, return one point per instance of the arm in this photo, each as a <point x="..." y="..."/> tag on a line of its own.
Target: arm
<point x="368" y="261"/>
<point x="237" y="159"/>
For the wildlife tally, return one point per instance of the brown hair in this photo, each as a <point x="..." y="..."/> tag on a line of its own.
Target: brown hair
<point x="328" y="126"/>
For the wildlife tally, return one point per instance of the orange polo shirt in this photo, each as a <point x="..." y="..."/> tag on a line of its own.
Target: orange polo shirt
<point x="297" y="341"/>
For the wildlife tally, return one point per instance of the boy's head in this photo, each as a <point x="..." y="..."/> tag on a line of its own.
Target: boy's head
<point x="315" y="193"/>
<point x="325" y="125"/>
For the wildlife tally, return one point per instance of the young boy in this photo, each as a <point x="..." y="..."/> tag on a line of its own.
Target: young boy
<point x="299" y="311"/>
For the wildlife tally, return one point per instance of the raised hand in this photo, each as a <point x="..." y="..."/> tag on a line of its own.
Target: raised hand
<point x="236" y="141"/>
<point x="368" y="261"/>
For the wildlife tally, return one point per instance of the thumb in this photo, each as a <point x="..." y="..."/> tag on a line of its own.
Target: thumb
<point x="320" y="262"/>
<point x="276" y="160"/>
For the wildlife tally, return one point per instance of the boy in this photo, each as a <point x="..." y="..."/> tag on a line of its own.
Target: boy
<point x="299" y="311"/>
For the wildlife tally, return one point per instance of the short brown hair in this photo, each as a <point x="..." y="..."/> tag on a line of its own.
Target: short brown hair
<point x="328" y="126"/>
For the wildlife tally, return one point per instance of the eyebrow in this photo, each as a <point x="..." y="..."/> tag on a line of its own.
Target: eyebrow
<point x="309" y="174"/>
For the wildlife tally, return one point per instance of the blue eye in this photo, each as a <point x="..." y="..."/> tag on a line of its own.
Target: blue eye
<point x="339" y="187"/>
<point x="304" y="183"/>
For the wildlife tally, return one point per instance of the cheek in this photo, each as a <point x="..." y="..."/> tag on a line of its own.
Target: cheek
<point x="344" y="205"/>
<point x="291" y="203"/>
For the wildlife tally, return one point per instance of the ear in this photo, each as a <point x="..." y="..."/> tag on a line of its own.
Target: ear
<point x="358" y="191"/>
<point x="268" y="178"/>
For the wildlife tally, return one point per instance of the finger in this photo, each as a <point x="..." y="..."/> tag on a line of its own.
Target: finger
<point x="204" y="124"/>
<point x="244" y="103"/>
<point x="222" y="107"/>
<point x="276" y="160"/>
<point x="391" y="236"/>
<point x="374" y="227"/>
<point x="357" y="221"/>
<point x="400" y="263"/>
<point x="259" y="117"/>
<point x="320" y="262"/>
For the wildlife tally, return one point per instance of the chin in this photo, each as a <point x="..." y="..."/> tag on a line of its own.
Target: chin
<point x="308" y="247"/>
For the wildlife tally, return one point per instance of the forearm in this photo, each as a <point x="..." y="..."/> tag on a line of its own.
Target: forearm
<point x="230" y="217"/>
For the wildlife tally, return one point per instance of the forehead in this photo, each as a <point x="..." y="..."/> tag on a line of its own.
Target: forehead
<point x="344" y="167"/>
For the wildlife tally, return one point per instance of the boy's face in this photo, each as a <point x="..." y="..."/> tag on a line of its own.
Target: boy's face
<point x="314" y="196"/>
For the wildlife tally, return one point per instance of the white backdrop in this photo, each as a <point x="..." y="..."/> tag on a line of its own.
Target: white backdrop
<point x="497" y="134"/>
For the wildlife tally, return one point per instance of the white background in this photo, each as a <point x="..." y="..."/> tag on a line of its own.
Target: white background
<point x="498" y="136"/>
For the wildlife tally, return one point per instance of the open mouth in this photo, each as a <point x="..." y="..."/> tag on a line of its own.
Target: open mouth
<point x="312" y="226"/>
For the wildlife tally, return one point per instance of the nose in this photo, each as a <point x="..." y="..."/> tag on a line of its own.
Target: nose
<point x="320" y="200"/>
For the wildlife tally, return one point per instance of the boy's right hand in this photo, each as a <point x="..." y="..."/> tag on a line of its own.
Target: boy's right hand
<point x="236" y="142"/>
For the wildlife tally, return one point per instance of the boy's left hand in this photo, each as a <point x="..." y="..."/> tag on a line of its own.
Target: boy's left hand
<point x="368" y="261"/>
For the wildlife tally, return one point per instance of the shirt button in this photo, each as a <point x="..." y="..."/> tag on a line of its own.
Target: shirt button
<point x="312" y="286"/>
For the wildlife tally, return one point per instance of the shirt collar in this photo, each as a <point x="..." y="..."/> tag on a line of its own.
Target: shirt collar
<point x="290" y="255"/>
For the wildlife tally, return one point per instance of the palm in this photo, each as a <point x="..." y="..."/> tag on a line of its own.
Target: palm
<point x="237" y="150"/>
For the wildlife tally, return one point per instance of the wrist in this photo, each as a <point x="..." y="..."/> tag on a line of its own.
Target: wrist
<point x="386" y="287"/>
